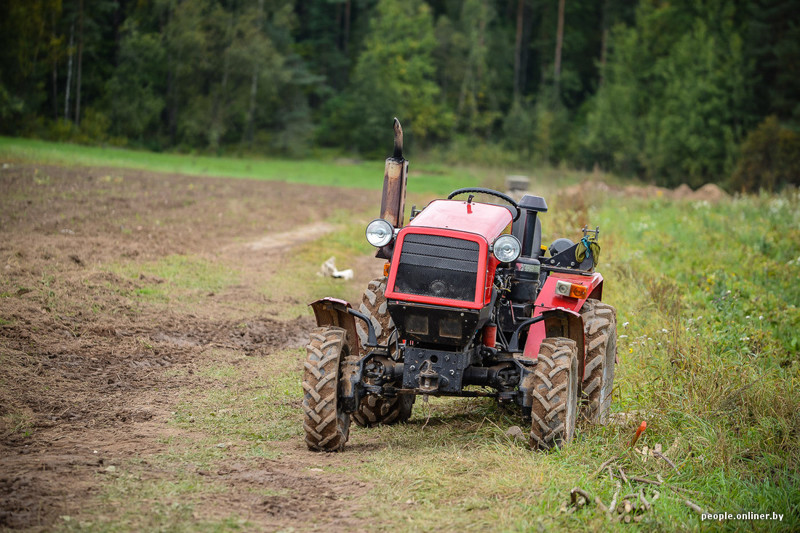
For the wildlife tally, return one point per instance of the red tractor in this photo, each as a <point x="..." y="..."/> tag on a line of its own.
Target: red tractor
<point x="471" y="304"/>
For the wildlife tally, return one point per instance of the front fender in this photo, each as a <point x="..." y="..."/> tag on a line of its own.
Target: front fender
<point x="334" y="312"/>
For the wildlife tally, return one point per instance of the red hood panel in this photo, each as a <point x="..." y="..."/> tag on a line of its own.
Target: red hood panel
<point x="484" y="219"/>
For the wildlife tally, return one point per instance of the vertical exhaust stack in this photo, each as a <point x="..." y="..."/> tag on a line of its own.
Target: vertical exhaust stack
<point x="394" y="188"/>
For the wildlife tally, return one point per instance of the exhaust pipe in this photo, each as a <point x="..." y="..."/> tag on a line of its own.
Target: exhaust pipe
<point x="394" y="188"/>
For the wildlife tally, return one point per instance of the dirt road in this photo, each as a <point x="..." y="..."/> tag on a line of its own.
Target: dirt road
<point x="93" y="371"/>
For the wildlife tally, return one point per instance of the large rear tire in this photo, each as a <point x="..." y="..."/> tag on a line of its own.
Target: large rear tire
<point x="374" y="410"/>
<point x="600" y="330"/>
<point x="326" y="424"/>
<point x="554" y="393"/>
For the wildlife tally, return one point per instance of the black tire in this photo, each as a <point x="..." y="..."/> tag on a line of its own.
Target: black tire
<point x="326" y="424"/>
<point x="600" y="330"/>
<point x="554" y="393"/>
<point x="374" y="410"/>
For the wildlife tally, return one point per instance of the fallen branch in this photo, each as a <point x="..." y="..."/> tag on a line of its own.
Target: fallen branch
<point x="645" y="480"/>
<point x="664" y="457"/>
<point x="604" y="465"/>
<point x="622" y="473"/>
<point x="600" y="504"/>
<point x="693" y="506"/>
<point x="574" y="493"/>
<point x="681" y="489"/>
<point x="613" y="503"/>
<point x="642" y="499"/>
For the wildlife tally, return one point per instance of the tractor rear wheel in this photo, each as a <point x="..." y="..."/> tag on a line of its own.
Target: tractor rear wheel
<point x="600" y="330"/>
<point x="373" y="409"/>
<point x="554" y="393"/>
<point x="326" y="424"/>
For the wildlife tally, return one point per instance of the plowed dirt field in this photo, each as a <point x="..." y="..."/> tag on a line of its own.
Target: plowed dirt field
<point x="101" y="352"/>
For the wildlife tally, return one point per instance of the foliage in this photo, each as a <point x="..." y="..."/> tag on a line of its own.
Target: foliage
<point x="665" y="90"/>
<point x="394" y="72"/>
<point x="674" y="102"/>
<point x="770" y="158"/>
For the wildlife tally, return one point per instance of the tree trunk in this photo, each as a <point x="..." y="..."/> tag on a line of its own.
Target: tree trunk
<point x="339" y="33"/>
<point x="221" y="97"/>
<point x="346" y="25"/>
<point x="603" y="44"/>
<point x="69" y="70"/>
<point x="80" y="66"/>
<point x="518" y="48"/>
<point x="251" y="112"/>
<point x="54" y="58"/>
<point x="559" y="44"/>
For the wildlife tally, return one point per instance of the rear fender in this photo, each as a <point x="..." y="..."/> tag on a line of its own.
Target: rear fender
<point x="334" y="312"/>
<point x="558" y="322"/>
<point x="548" y="300"/>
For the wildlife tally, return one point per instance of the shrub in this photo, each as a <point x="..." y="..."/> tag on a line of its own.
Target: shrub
<point x="770" y="158"/>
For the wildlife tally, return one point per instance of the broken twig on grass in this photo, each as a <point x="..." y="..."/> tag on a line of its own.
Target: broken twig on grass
<point x="681" y="489"/>
<point x="613" y="503"/>
<point x="573" y="496"/>
<point x="622" y="474"/>
<point x="600" y="504"/>
<point x="693" y="506"/>
<point x="665" y="458"/>
<point x="645" y="480"/>
<point x="603" y="466"/>
<point x="642" y="499"/>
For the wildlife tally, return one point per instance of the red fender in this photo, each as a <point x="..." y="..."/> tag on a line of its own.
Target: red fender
<point x="548" y="300"/>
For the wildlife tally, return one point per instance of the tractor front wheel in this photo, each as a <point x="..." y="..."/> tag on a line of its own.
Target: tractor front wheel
<point x="326" y="424"/>
<point x="554" y="393"/>
<point x="374" y="410"/>
<point x="600" y="330"/>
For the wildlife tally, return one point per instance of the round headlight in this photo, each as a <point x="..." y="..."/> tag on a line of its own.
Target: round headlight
<point x="379" y="233"/>
<point x="507" y="248"/>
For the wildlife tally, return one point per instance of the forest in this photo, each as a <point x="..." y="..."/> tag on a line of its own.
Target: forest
<point x="681" y="91"/>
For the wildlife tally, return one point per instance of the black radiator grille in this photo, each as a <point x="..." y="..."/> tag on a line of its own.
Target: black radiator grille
<point x="443" y="267"/>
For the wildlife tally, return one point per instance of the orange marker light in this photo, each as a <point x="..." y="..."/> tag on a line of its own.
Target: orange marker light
<point x="571" y="290"/>
<point x="386" y="268"/>
<point x="578" y="291"/>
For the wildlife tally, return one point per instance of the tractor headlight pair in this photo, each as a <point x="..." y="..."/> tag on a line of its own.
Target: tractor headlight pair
<point x="506" y="248"/>
<point x="379" y="233"/>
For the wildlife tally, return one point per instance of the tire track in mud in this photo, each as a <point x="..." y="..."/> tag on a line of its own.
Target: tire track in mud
<point x="91" y="375"/>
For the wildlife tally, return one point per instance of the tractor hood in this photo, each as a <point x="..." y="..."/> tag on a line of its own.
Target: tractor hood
<point x="442" y="256"/>
<point x="486" y="220"/>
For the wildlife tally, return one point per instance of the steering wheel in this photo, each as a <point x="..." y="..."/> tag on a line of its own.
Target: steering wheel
<point x="490" y="192"/>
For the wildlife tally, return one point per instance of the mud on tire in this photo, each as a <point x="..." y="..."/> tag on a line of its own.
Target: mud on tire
<point x="326" y="425"/>
<point x="373" y="409"/>
<point x="554" y="393"/>
<point x="600" y="329"/>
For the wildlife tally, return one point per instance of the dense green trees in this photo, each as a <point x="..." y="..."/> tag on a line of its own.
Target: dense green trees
<point x="664" y="90"/>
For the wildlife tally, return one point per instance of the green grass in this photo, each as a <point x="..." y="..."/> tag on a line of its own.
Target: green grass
<point x="709" y="334"/>
<point x="177" y="278"/>
<point x="708" y="323"/>
<point x="338" y="173"/>
<point x="251" y="399"/>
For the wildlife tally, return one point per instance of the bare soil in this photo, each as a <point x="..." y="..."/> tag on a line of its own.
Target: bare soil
<point x="89" y="376"/>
